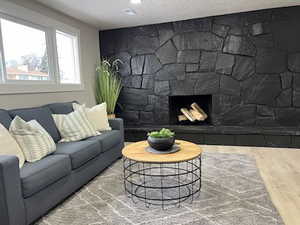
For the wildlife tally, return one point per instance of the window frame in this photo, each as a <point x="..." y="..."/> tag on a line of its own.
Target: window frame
<point x="50" y="27"/>
<point x="77" y="60"/>
<point x="49" y="46"/>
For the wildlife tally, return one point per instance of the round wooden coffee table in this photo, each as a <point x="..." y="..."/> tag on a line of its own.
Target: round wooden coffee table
<point x="162" y="179"/>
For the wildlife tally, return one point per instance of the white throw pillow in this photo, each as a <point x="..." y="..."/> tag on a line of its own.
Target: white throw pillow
<point x="9" y="146"/>
<point x="33" y="139"/>
<point x="97" y="115"/>
<point x="74" y="126"/>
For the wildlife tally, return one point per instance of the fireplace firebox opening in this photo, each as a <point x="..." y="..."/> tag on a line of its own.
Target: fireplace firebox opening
<point x="184" y="110"/>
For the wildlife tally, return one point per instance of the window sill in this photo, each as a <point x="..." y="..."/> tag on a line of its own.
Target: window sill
<point x="6" y="89"/>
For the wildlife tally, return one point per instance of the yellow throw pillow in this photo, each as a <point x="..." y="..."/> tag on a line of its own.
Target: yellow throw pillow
<point x="32" y="138"/>
<point x="74" y="126"/>
<point x="97" y="115"/>
<point x="9" y="146"/>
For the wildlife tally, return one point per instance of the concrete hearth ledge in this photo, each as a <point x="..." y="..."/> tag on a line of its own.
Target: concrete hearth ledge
<point x="286" y="137"/>
<point x="220" y="129"/>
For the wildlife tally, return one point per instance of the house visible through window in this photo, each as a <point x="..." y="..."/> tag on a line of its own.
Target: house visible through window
<point x="36" y="50"/>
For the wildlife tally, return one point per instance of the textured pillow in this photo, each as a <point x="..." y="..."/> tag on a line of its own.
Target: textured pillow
<point x="74" y="126"/>
<point x="9" y="146"/>
<point x="96" y="115"/>
<point x="33" y="139"/>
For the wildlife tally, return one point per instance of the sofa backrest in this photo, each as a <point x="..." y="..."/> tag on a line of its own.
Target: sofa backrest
<point x="5" y="118"/>
<point x="61" y="107"/>
<point x="42" y="114"/>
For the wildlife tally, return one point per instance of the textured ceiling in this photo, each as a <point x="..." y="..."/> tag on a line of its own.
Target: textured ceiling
<point x="109" y="14"/>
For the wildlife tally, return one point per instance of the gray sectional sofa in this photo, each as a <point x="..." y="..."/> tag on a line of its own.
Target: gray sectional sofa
<point x="28" y="193"/>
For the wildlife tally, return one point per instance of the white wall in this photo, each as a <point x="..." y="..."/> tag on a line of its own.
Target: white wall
<point x="89" y="56"/>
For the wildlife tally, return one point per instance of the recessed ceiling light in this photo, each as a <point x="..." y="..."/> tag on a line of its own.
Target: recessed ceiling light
<point x="130" y="12"/>
<point x="135" y="1"/>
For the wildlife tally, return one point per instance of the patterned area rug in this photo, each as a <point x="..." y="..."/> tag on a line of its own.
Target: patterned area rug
<point x="233" y="193"/>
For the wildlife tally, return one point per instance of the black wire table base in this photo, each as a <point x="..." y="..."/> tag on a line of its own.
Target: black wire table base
<point x="162" y="184"/>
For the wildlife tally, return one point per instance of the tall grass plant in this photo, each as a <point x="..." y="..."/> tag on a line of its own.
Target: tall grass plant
<point x="108" y="84"/>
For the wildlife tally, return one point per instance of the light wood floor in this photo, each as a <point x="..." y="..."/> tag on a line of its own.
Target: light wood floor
<point x="280" y="169"/>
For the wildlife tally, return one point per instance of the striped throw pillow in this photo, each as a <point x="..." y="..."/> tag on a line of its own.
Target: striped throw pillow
<point x="96" y="115"/>
<point x="74" y="126"/>
<point x="32" y="138"/>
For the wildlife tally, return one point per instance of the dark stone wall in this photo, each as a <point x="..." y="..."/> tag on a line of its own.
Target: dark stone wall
<point x="249" y="62"/>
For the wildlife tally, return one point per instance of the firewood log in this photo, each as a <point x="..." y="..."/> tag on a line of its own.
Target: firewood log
<point x="196" y="107"/>
<point x="197" y="115"/>
<point x="182" y="118"/>
<point x="188" y="115"/>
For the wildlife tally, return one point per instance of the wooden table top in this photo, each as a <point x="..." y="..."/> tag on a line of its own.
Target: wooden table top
<point x="137" y="152"/>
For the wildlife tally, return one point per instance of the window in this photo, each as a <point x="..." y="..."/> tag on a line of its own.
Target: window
<point x="67" y="58"/>
<point x="25" y="56"/>
<point x="37" y="54"/>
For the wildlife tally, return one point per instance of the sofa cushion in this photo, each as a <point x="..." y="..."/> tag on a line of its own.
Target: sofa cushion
<point x="41" y="114"/>
<point x="38" y="175"/>
<point x="108" y="139"/>
<point x="61" y="107"/>
<point x="79" y="152"/>
<point x="5" y="118"/>
<point x="9" y="146"/>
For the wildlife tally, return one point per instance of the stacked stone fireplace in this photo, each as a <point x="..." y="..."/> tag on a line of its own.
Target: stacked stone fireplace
<point x="248" y="64"/>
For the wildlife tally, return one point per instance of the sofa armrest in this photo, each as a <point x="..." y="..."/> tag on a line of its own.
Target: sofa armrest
<point x="117" y="124"/>
<point x="12" y="209"/>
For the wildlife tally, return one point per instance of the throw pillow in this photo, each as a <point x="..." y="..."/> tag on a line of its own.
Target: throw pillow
<point x="74" y="126"/>
<point x="97" y="115"/>
<point x="33" y="139"/>
<point x="9" y="146"/>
